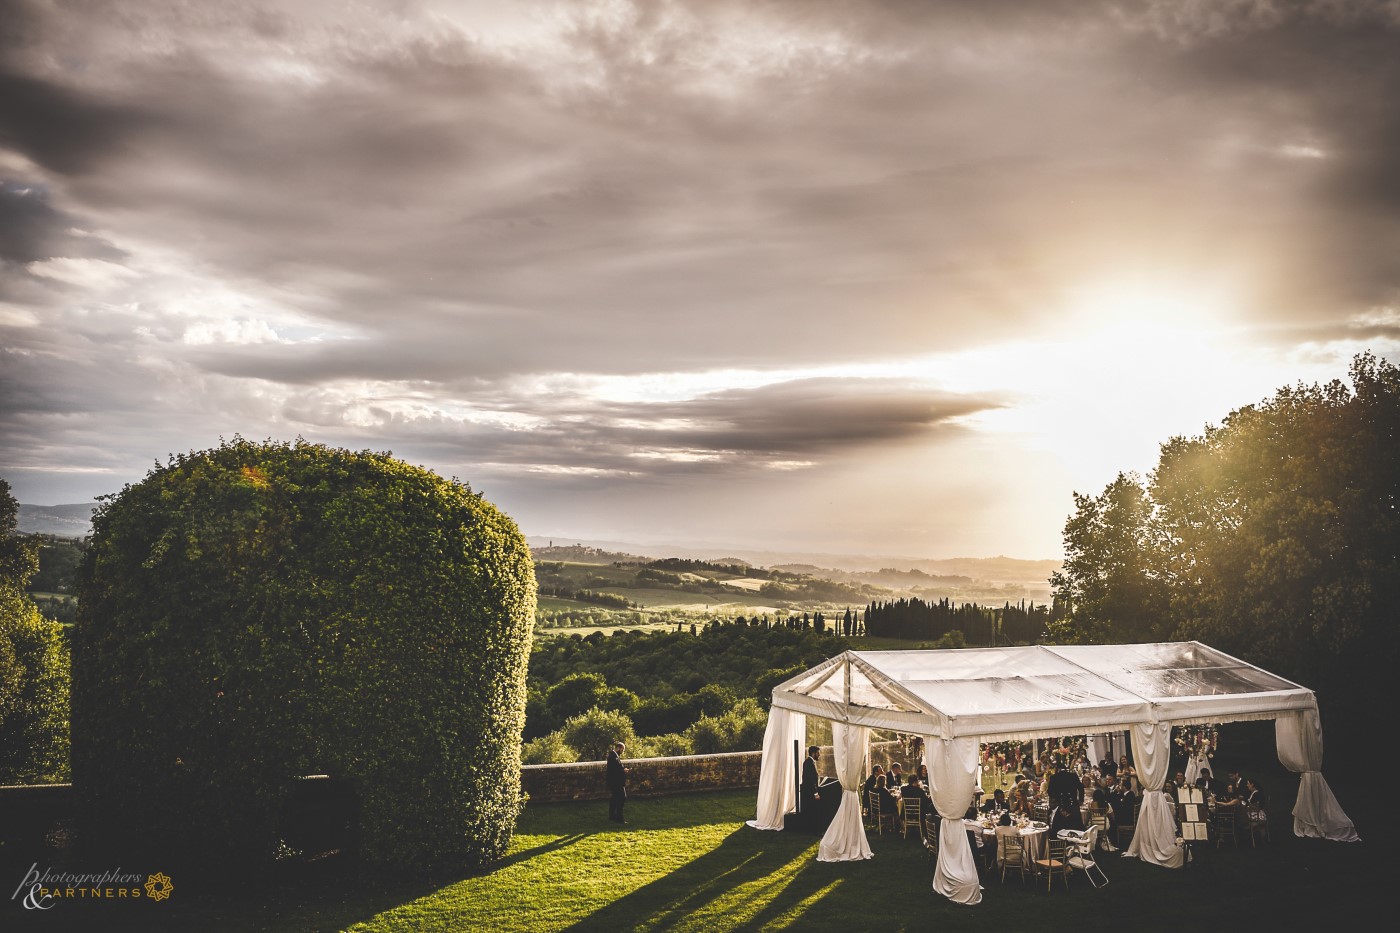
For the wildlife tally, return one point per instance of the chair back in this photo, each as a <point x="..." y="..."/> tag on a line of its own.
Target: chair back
<point x="1009" y="848"/>
<point x="913" y="810"/>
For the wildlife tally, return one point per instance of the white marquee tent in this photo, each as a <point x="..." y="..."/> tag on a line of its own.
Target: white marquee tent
<point x="959" y="698"/>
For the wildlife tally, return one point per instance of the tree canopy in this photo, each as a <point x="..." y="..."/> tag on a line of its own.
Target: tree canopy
<point x="33" y="666"/>
<point x="1274" y="536"/>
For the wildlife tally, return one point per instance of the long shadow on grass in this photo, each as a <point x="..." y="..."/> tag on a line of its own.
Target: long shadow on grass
<point x="761" y="863"/>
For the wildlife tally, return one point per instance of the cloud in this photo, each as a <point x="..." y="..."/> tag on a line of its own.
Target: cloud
<point x="412" y="225"/>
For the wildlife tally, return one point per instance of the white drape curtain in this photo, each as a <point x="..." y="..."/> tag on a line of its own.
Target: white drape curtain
<point x="1096" y="747"/>
<point x="952" y="774"/>
<point x="777" y="792"/>
<point x="1154" y="840"/>
<point x="845" y="838"/>
<point x="1317" y="813"/>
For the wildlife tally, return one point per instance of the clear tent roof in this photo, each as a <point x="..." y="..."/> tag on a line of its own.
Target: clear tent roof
<point x="1039" y="689"/>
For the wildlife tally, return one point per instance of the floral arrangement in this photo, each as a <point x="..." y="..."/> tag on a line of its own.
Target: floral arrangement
<point x="1068" y="749"/>
<point x="1002" y="754"/>
<point x="1198" y="740"/>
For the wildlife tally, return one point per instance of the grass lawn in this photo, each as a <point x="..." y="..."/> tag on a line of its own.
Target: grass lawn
<point x="688" y="863"/>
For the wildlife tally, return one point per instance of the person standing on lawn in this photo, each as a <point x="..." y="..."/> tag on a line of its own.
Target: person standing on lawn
<point x="617" y="783"/>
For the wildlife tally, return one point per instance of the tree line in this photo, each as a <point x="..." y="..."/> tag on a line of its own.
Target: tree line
<point x="1273" y="536"/>
<point x="973" y="624"/>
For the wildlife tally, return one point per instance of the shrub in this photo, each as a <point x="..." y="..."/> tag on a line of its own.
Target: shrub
<point x="257" y="612"/>
<point x="662" y="746"/>
<point x="593" y="732"/>
<point x="738" y="730"/>
<point x="548" y="749"/>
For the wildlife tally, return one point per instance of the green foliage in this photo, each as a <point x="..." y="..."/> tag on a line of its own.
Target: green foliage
<point x="1274" y="536"/>
<point x="1114" y="575"/>
<point x="676" y="676"/>
<point x="257" y="612"/>
<point x="661" y="746"/>
<point x="33" y="667"/>
<point x="592" y="733"/>
<point x="58" y="566"/>
<point x="548" y="749"/>
<point x="738" y="729"/>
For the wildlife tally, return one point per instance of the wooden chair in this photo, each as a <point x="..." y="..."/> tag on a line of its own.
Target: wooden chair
<point x="1126" y="830"/>
<point x="1054" y="862"/>
<point x="931" y="844"/>
<point x="1256" y="822"/>
<point x="1223" y="825"/>
<point x="913" y="815"/>
<point x="880" y="817"/>
<point x="1041" y="813"/>
<point x="1011" y="853"/>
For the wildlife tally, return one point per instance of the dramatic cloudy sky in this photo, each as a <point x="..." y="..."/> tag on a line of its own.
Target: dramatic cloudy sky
<point x="862" y="276"/>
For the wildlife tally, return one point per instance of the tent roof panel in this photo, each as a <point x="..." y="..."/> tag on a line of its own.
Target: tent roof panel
<point x="1040" y="688"/>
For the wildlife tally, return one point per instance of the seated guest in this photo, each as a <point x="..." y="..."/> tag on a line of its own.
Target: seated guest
<point x="894" y="777"/>
<point x="1205" y="782"/>
<point x="923" y="774"/>
<point x="1253" y="796"/>
<point x="888" y="802"/>
<point x="1107" y="768"/>
<point x="1122" y="800"/>
<point x="1099" y="801"/>
<point x="1021" y="797"/>
<point x="996" y="803"/>
<point x="914" y="790"/>
<point x="1027" y="768"/>
<point x="1066" y="815"/>
<point x="875" y="772"/>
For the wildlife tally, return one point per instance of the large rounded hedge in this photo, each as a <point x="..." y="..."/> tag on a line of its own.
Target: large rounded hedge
<point x="258" y="612"/>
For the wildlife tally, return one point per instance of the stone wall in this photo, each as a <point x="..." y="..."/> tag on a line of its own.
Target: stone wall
<point x="649" y="777"/>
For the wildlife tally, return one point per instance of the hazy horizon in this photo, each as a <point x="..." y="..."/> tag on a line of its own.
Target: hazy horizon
<point x="816" y="275"/>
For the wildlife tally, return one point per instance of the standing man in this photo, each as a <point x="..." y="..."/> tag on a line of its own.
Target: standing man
<point x="617" y="783"/>
<point x="810" y="782"/>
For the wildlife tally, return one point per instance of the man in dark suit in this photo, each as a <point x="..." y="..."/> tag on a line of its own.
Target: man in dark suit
<point x="617" y="783"/>
<point x="1064" y="789"/>
<point x="810" y="781"/>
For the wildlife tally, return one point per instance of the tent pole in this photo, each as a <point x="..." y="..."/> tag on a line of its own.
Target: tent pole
<point x="797" y="773"/>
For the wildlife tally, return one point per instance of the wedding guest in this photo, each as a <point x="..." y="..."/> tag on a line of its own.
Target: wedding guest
<point x="996" y="803"/>
<point x="869" y="785"/>
<point x="923" y="774"/>
<point x="1122" y="800"/>
<point x="914" y="790"/>
<point x="888" y="802"/>
<point x="895" y="776"/>
<point x="1253" y="796"/>
<point x="617" y="783"/>
<point x="810" y="781"/>
<point x="1021" y="797"/>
